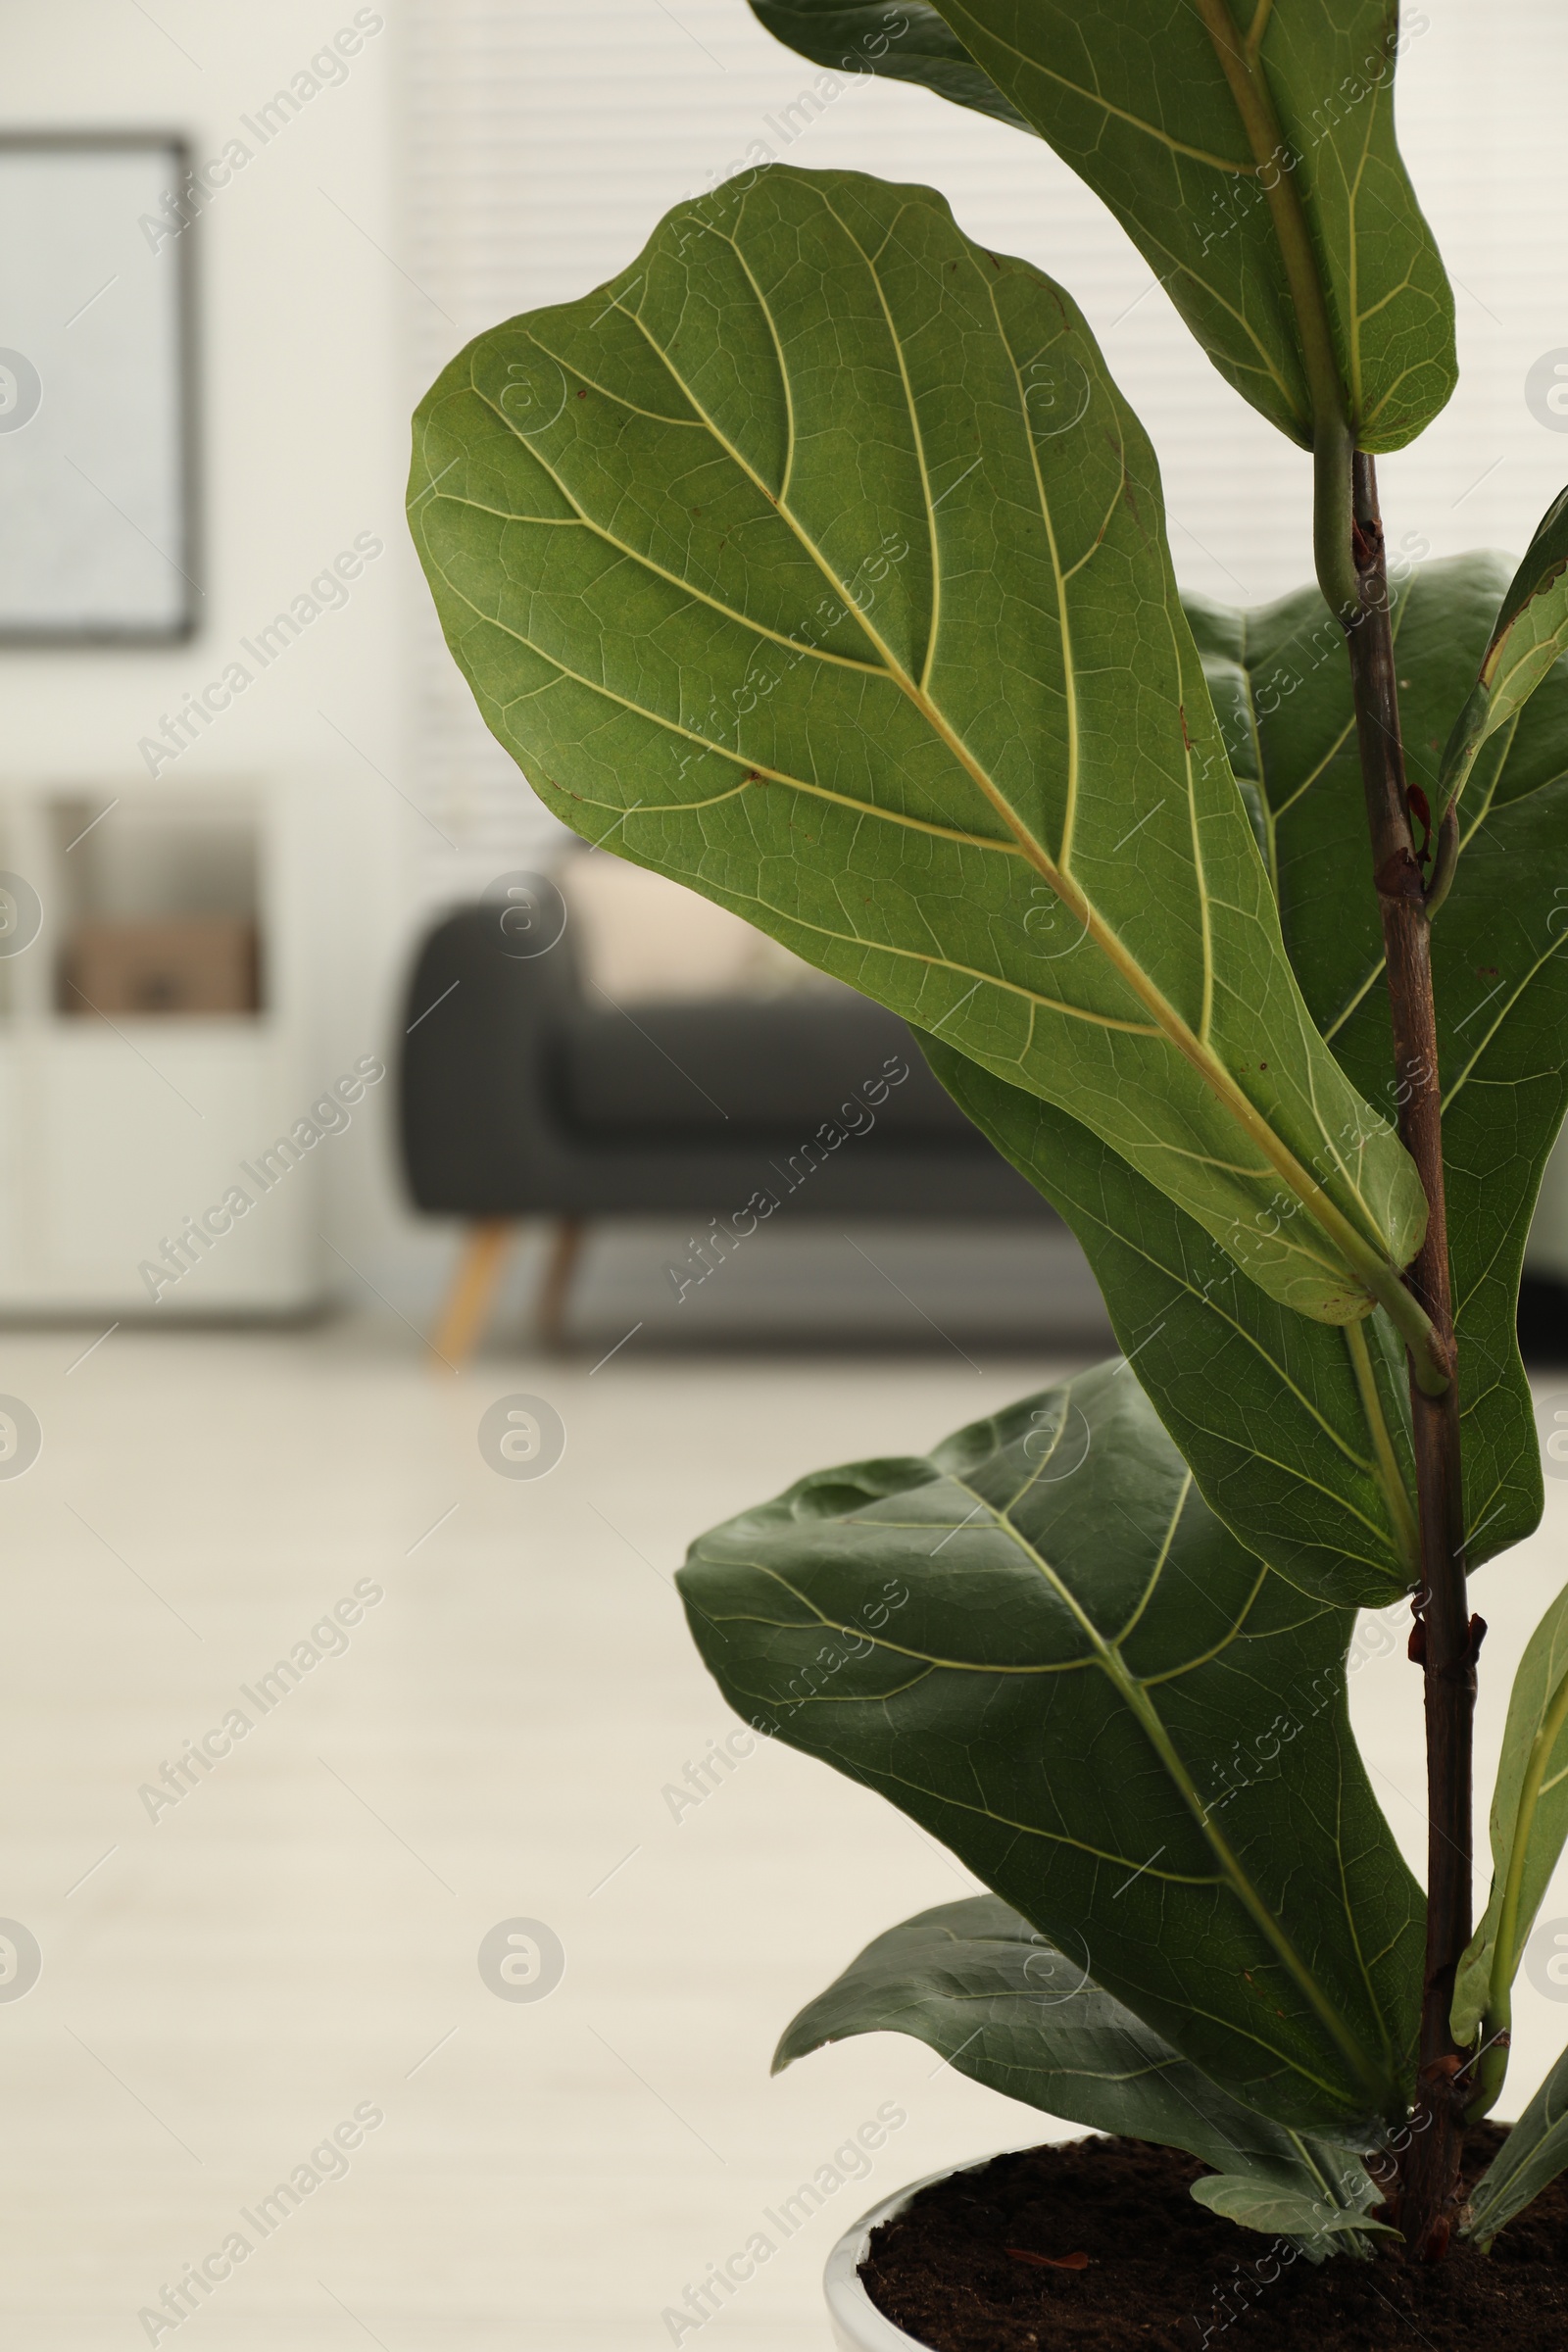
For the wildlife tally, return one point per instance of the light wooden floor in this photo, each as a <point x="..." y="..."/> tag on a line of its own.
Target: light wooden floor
<point x="298" y="1935"/>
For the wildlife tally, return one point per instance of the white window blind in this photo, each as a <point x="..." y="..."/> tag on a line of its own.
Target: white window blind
<point x="544" y="141"/>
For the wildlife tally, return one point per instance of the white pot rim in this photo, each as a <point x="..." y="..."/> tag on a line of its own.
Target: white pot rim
<point x="858" y="2324"/>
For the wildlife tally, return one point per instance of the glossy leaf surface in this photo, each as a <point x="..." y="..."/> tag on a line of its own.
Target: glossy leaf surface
<point x="1281" y="684"/>
<point x="1301" y="1442"/>
<point x="981" y="1986"/>
<point x="1526" y="643"/>
<point x="1198" y="125"/>
<point x="906" y="42"/>
<point x="817" y="563"/>
<point x="1297" y="1433"/>
<point x="1042" y="1644"/>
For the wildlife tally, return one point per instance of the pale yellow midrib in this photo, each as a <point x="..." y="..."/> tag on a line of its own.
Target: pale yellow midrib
<point x="1134" y="1692"/>
<point x="1270" y="821"/>
<point x="1268" y="367"/>
<point x="1160" y="1557"/>
<point x="1351" y="1246"/>
<point x="1162" y="138"/>
<point x="1386" y="1469"/>
<point x="945" y="963"/>
<point x="579" y="519"/>
<point x="1069" y="677"/>
<point x="790" y="437"/>
<point x="1168" y="1021"/>
<point x="1199" y="869"/>
<point x="895" y="339"/>
<point x="1353" y="269"/>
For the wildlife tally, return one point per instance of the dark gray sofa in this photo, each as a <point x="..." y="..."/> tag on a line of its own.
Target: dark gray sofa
<point x="525" y="1094"/>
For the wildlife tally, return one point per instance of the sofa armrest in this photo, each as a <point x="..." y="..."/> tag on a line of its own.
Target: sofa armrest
<point x="474" y="1118"/>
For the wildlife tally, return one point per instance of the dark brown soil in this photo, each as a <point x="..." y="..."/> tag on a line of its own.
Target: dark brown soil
<point x="1164" y="2275"/>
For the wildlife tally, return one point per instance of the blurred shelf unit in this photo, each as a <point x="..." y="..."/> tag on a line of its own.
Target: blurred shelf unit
<point x="151" y="1007"/>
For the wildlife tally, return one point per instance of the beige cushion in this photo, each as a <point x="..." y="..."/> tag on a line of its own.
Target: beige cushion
<point x="638" y="935"/>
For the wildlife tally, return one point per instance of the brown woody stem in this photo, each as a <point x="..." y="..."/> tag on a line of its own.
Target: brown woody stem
<point x="1352" y="572"/>
<point x="1427" y="2198"/>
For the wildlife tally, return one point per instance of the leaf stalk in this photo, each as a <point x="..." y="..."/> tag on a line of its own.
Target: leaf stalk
<point x="1332" y="434"/>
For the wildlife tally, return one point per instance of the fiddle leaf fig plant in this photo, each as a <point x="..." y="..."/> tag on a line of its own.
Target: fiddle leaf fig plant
<point x="1528" y="638"/>
<point x="906" y="614"/>
<point x="1247" y="151"/>
<point x="1529" y="1827"/>
<point x="1048" y="1589"/>
<point x="815" y="562"/>
<point x="980" y="1985"/>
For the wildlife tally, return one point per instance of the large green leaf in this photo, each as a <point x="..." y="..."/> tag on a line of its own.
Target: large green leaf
<point x="1530" y="634"/>
<point x="775" y="574"/>
<point x="1281" y="685"/>
<point x="1529" y="1827"/>
<point x="1243" y="144"/>
<point x="1043" y="1645"/>
<point x="976" y="1982"/>
<point x="1532" y="2156"/>
<point x="909" y="42"/>
<point x="1297" y="1433"/>
<point x="1299" y="1440"/>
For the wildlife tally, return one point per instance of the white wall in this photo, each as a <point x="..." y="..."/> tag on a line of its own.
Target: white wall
<point x="299" y="328"/>
<point x="568" y="130"/>
<point x="480" y="159"/>
<point x="549" y="139"/>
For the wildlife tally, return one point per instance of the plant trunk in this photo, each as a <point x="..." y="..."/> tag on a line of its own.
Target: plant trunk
<point x="1427" y="2196"/>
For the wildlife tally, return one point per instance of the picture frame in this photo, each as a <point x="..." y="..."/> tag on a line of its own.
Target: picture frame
<point x="98" y="437"/>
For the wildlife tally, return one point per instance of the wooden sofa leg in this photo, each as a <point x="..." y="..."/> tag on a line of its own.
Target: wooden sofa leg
<point x="473" y="1290"/>
<point x="555" y="1288"/>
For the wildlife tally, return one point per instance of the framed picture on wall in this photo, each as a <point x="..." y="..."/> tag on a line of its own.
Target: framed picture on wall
<point x="98" y="538"/>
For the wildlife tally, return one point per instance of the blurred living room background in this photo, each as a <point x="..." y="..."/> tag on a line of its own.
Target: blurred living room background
<point x="277" y="915"/>
<point x="448" y="164"/>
